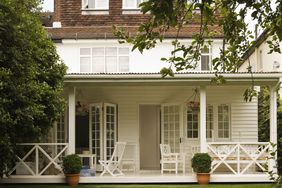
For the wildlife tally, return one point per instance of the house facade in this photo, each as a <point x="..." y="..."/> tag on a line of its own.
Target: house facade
<point x="114" y="94"/>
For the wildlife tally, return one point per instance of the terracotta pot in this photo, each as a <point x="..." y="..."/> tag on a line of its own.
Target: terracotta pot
<point x="203" y="178"/>
<point x="72" y="179"/>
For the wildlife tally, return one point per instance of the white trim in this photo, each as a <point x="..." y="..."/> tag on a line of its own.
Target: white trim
<point x="273" y="125"/>
<point x="203" y="106"/>
<point x="71" y="123"/>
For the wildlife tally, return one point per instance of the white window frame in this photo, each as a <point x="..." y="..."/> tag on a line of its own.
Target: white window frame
<point x="198" y="127"/>
<point x="84" y="4"/>
<point x="209" y="54"/>
<point x="229" y="123"/>
<point x="132" y="8"/>
<point x="215" y="128"/>
<point x="118" y="55"/>
<point x="210" y="129"/>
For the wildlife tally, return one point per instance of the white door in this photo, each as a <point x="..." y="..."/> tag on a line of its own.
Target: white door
<point x="102" y="130"/>
<point x="171" y="127"/>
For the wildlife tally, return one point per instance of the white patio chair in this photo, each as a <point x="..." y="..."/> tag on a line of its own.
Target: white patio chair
<point x="170" y="161"/>
<point x="112" y="166"/>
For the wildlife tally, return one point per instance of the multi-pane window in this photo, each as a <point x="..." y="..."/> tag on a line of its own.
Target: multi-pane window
<point x="192" y="124"/>
<point x="104" y="59"/>
<point x="223" y="121"/>
<point x="209" y="121"/>
<point x="206" y="59"/>
<point x="131" y="4"/>
<point x="95" y="4"/>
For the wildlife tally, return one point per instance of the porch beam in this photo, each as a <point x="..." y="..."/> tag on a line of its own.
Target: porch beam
<point x="203" y="138"/>
<point x="71" y="134"/>
<point x="273" y="124"/>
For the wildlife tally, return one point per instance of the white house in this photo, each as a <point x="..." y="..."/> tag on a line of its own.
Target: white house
<point x="115" y="94"/>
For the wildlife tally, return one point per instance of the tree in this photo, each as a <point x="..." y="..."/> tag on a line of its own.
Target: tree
<point x="166" y="15"/>
<point x="31" y="78"/>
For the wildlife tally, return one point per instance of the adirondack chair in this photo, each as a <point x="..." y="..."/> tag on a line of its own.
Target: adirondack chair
<point x="112" y="166"/>
<point x="170" y="161"/>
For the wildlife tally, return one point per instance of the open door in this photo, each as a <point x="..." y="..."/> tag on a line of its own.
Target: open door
<point x="149" y="123"/>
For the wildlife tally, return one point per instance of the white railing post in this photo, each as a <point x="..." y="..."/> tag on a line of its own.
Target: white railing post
<point x="71" y="148"/>
<point x="36" y="160"/>
<point x="203" y="138"/>
<point x="273" y="126"/>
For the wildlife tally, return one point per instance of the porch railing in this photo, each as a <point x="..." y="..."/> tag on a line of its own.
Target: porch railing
<point x="37" y="159"/>
<point x="239" y="157"/>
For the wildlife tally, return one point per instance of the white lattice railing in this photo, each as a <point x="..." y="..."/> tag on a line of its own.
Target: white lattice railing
<point x="38" y="158"/>
<point x="239" y="158"/>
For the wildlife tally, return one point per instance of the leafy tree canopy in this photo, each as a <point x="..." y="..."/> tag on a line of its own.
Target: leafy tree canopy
<point x="31" y="78"/>
<point x="229" y="15"/>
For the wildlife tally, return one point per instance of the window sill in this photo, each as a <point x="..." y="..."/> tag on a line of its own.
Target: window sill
<point x="94" y="11"/>
<point x="131" y="11"/>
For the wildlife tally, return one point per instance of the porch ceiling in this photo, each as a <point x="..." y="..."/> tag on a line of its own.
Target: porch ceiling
<point x="179" y="79"/>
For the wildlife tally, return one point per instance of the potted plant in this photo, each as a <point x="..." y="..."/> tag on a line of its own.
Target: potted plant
<point x="71" y="167"/>
<point x="201" y="164"/>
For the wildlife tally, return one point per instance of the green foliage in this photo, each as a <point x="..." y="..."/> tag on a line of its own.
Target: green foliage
<point x="31" y="78"/>
<point x="174" y="15"/>
<point x="201" y="163"/>
<point x="72" y="164"/>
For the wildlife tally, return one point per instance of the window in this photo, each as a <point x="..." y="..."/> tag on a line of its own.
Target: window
<point x="209" y="121"/>
<point x="95" y="4"/>
<point x="104" y="59"/>
<point x="223" y="121"/>
<point x="131" y="4"/>
<point x="206" y="59"/>
<point x="192" y="124"/>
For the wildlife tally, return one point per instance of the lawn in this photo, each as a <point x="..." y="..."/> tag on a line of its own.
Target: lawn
<point x="138" y="186"/>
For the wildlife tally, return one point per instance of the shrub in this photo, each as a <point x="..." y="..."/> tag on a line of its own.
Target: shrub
<point x="72" y="164"/>
<point x="201" y="163"/>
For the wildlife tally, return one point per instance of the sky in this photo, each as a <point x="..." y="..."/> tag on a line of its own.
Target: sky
<point x="48" y="5"/>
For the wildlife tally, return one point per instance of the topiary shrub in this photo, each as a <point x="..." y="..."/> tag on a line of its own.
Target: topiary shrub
<point x="201" y="163"/>
<point x="72" y="164"/>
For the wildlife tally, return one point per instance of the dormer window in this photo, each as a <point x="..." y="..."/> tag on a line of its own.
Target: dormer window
<point x="95" y="4"/>
<point x="131" y="4"/>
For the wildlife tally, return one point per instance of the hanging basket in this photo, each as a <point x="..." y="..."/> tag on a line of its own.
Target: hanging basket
<point x="193" y="105"/>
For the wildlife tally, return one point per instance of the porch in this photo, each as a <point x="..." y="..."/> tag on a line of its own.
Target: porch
<point x="144" y="111"/>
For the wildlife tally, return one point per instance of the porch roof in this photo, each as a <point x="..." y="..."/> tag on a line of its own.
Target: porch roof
<point x="184" y="78"/>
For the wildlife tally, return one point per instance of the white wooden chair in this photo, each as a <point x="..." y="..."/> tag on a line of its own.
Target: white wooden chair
<point x="112" y="166"/>
<point x="170" y="161"/>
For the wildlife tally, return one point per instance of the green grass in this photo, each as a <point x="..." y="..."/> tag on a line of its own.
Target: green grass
<point x="137" y="186"/>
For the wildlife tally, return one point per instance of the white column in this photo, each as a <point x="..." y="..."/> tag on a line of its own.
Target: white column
<point x="71" y="103"/>
<point x="273" y="123"/>
<point x="203" y="138"/>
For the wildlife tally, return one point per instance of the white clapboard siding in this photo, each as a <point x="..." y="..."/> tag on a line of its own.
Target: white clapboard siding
<point x="243" y="115"/>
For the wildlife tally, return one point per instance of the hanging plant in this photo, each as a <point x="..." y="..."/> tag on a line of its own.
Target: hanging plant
<point x="193" y="102"/>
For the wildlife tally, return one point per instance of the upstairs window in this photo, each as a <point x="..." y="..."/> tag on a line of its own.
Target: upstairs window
<point x="206" y="57"/>
<point x="131" y="4"/>
<point x="104" y="59"/>
<point x="95" y="4"/>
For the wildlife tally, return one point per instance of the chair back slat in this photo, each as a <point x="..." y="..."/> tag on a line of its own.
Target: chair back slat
<point x="118" y="151"/>
<point x="165" y="149"/>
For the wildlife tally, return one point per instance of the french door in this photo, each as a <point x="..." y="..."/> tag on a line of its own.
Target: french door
<point x="102" y="130"/>
<point x="171" y="127"/>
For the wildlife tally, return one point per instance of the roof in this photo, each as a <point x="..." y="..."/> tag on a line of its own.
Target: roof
<point x="256" y="44"/>
<point x="106" y="32"/>
<point x="185" y="78"/>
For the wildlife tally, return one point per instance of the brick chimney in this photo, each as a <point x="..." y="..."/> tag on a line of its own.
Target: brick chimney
<point x="57" y="13"/>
